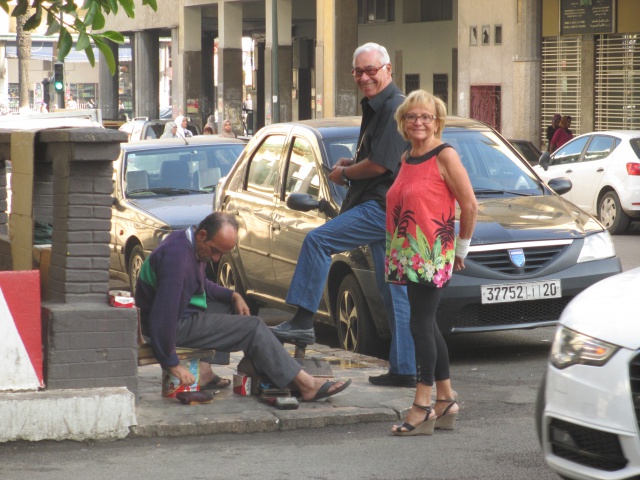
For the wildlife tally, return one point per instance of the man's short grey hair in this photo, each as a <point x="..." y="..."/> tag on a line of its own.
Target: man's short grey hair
<point x="372" y="47"/>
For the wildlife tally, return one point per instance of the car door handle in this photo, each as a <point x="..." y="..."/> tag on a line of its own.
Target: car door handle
<point x="569" y="171"/>
<point x="275" y="226"/>
<point x="233" y="211"/>
<point x="601" y="169"/>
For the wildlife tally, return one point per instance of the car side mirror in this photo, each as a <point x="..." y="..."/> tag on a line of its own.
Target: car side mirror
<point x="560" y="185"/>
<point x="544" y="161"/>
<point x="303" y="202"/>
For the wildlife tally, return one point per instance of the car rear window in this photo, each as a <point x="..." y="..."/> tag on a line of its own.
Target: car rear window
<point x="193" y="168"/>
<point x="635" y="146"/>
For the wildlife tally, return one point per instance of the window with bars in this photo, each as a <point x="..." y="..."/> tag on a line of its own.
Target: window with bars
<point x="374" y="11"/>
<point x="411" y="82"/>
<point x="617" y="82"/>
<point x="561" y="58"/>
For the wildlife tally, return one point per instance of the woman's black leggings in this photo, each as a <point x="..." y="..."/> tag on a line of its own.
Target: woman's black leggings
<point x="432" y="355"/>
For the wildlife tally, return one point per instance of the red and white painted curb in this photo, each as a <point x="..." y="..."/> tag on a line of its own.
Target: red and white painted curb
<point x="20" y="331"/>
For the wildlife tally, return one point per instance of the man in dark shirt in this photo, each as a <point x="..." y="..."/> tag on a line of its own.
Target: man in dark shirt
<point x="362" y="217"/>
<point x="179" y="308"/>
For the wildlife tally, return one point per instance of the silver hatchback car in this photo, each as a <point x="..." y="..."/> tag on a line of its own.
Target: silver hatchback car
<point x="160" y="186"/>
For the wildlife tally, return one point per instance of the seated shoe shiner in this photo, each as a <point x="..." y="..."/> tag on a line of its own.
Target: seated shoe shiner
<point x="178" y="309"/>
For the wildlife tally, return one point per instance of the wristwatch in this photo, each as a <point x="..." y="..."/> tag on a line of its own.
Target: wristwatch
<point x="345" y="179"/>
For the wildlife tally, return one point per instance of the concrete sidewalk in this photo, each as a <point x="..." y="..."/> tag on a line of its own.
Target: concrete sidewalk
<point x="232" y="413"/>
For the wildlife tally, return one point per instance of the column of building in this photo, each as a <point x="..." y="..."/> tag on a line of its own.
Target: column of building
<point x="280" y="96"/>
<point x="527" y="66"/>
<point x="229" y="92"/>
<point x="337" y="39"/>
<point x="146" y="59"/>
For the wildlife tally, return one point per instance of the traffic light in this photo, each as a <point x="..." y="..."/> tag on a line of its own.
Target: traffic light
<point x="58" y="76"/>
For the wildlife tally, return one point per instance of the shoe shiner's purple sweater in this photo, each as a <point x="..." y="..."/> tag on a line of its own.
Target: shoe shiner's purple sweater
<point x="172" y="283"/>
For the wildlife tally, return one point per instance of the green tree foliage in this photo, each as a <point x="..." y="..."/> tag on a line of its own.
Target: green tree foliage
<point x="64" y="17"/>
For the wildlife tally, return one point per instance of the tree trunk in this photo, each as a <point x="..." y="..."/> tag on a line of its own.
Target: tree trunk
<point x="23" y="40"/>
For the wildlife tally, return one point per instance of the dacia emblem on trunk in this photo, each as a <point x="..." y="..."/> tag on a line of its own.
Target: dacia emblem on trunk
<point x="517" y="257"/>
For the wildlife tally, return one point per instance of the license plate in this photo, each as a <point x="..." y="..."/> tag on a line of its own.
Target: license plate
<point x="517" y="292"/>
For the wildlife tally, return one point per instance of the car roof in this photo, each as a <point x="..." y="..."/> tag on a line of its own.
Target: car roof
<point x="178" y="142"/>
<point x="626" y="134"/>
<point x="334" y="127"/>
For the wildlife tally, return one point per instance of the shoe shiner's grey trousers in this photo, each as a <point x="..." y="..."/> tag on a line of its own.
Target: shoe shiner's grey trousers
<point x="225" y="332"/>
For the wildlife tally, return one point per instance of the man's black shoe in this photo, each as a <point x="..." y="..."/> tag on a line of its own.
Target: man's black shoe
<point x="394" y="380"/>
<point x="284" y="332"/>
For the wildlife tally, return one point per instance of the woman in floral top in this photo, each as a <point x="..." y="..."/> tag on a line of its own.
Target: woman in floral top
<point x="423" y="251"/>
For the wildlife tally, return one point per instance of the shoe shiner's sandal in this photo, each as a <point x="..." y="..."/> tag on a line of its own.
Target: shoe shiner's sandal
<point x="323" y="391"/>
<point x="194" y="398"/>
<point x="214" y="384"/>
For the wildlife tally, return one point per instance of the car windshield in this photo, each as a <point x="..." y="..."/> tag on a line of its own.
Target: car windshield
<point x="493" y="168"/>
<point x="178" y="171"/>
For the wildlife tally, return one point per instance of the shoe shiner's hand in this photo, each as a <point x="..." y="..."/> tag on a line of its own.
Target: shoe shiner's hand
<point x="239" y="304"/>
<point x="183" y="374"/>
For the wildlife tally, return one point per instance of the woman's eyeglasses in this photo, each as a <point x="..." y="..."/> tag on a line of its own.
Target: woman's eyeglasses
<point x="425" y="119"/>
<point x="370" y="71"/>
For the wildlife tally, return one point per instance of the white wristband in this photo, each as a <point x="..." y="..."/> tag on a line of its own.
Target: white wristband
<point x="462" y="247"/>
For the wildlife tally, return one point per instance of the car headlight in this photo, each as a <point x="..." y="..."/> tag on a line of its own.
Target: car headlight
<point x="596" y="247"/>
<point x="573" y="348"/>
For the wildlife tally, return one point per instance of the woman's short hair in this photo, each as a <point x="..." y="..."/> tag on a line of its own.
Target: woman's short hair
<point x="421" y="98"/>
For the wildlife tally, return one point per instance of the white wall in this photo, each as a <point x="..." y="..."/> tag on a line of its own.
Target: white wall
<point x="426" y="47"/>
<point x="487" y="65"/>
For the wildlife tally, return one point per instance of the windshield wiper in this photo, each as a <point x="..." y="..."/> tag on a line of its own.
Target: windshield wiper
<point x="170" y="191"/>
<point x="491" y="191"/>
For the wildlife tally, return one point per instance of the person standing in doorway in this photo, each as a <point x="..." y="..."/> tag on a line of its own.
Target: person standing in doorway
<point x="362" y="218"/>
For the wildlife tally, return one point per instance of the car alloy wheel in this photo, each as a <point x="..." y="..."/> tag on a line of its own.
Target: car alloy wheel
<point x="611" y="214"/>
<point x="356" y="332"/>
<point x="135" y="264"/>
<point x="228" y="277"/>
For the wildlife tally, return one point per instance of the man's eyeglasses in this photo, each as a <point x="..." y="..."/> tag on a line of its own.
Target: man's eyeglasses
<point x="370" y="71"/>
<point x="425" y="119"/>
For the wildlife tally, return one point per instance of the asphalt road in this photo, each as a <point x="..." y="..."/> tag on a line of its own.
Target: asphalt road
<point x="496" y="376"/>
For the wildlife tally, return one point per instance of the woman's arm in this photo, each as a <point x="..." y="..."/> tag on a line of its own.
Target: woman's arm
<point x="457" y="179"/>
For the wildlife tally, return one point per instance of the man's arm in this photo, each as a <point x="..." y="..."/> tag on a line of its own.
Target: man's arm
<point x="359" y="171"/>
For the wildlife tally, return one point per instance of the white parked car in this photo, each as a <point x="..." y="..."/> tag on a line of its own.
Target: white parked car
<point x="589" y="404"/>
<point x="604" y="168"/>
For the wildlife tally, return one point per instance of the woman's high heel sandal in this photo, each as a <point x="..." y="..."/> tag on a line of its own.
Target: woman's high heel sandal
<point x="447" y="420"/>
<point x="423" y="428"/>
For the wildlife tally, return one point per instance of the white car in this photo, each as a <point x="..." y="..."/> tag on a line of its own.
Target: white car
<point x="588" y="406"/>
<point x="604" y="168"/>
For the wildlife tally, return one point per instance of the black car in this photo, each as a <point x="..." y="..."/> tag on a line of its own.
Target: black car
<point x="530" y="254"/>
<point x="160" y="186"/>
<point x="528" y="150"/>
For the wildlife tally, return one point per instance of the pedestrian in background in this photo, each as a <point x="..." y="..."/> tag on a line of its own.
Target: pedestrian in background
<point x="181" y="123"/>
<point x="211" y="125"/>
<point x="362" y="218"/>
<point x="551" y="129"/>
<point x="423" y="251"/>
<point x="227" y="132"/>
<point x="563" y="134"/>
<point x="170" y="130"/>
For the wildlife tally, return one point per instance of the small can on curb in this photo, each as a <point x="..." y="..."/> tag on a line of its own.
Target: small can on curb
<point x="241" y="384"/>
<point x="171" y="385"/>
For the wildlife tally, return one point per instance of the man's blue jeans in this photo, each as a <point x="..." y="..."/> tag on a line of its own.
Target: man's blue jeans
<point x="361" y="225"/>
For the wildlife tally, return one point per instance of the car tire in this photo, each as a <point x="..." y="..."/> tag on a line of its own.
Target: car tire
<point x="228" y="277"/>
<point x="136" y="259"/>
<point x="354" y="323"/>
<point x="611" y="214"/>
